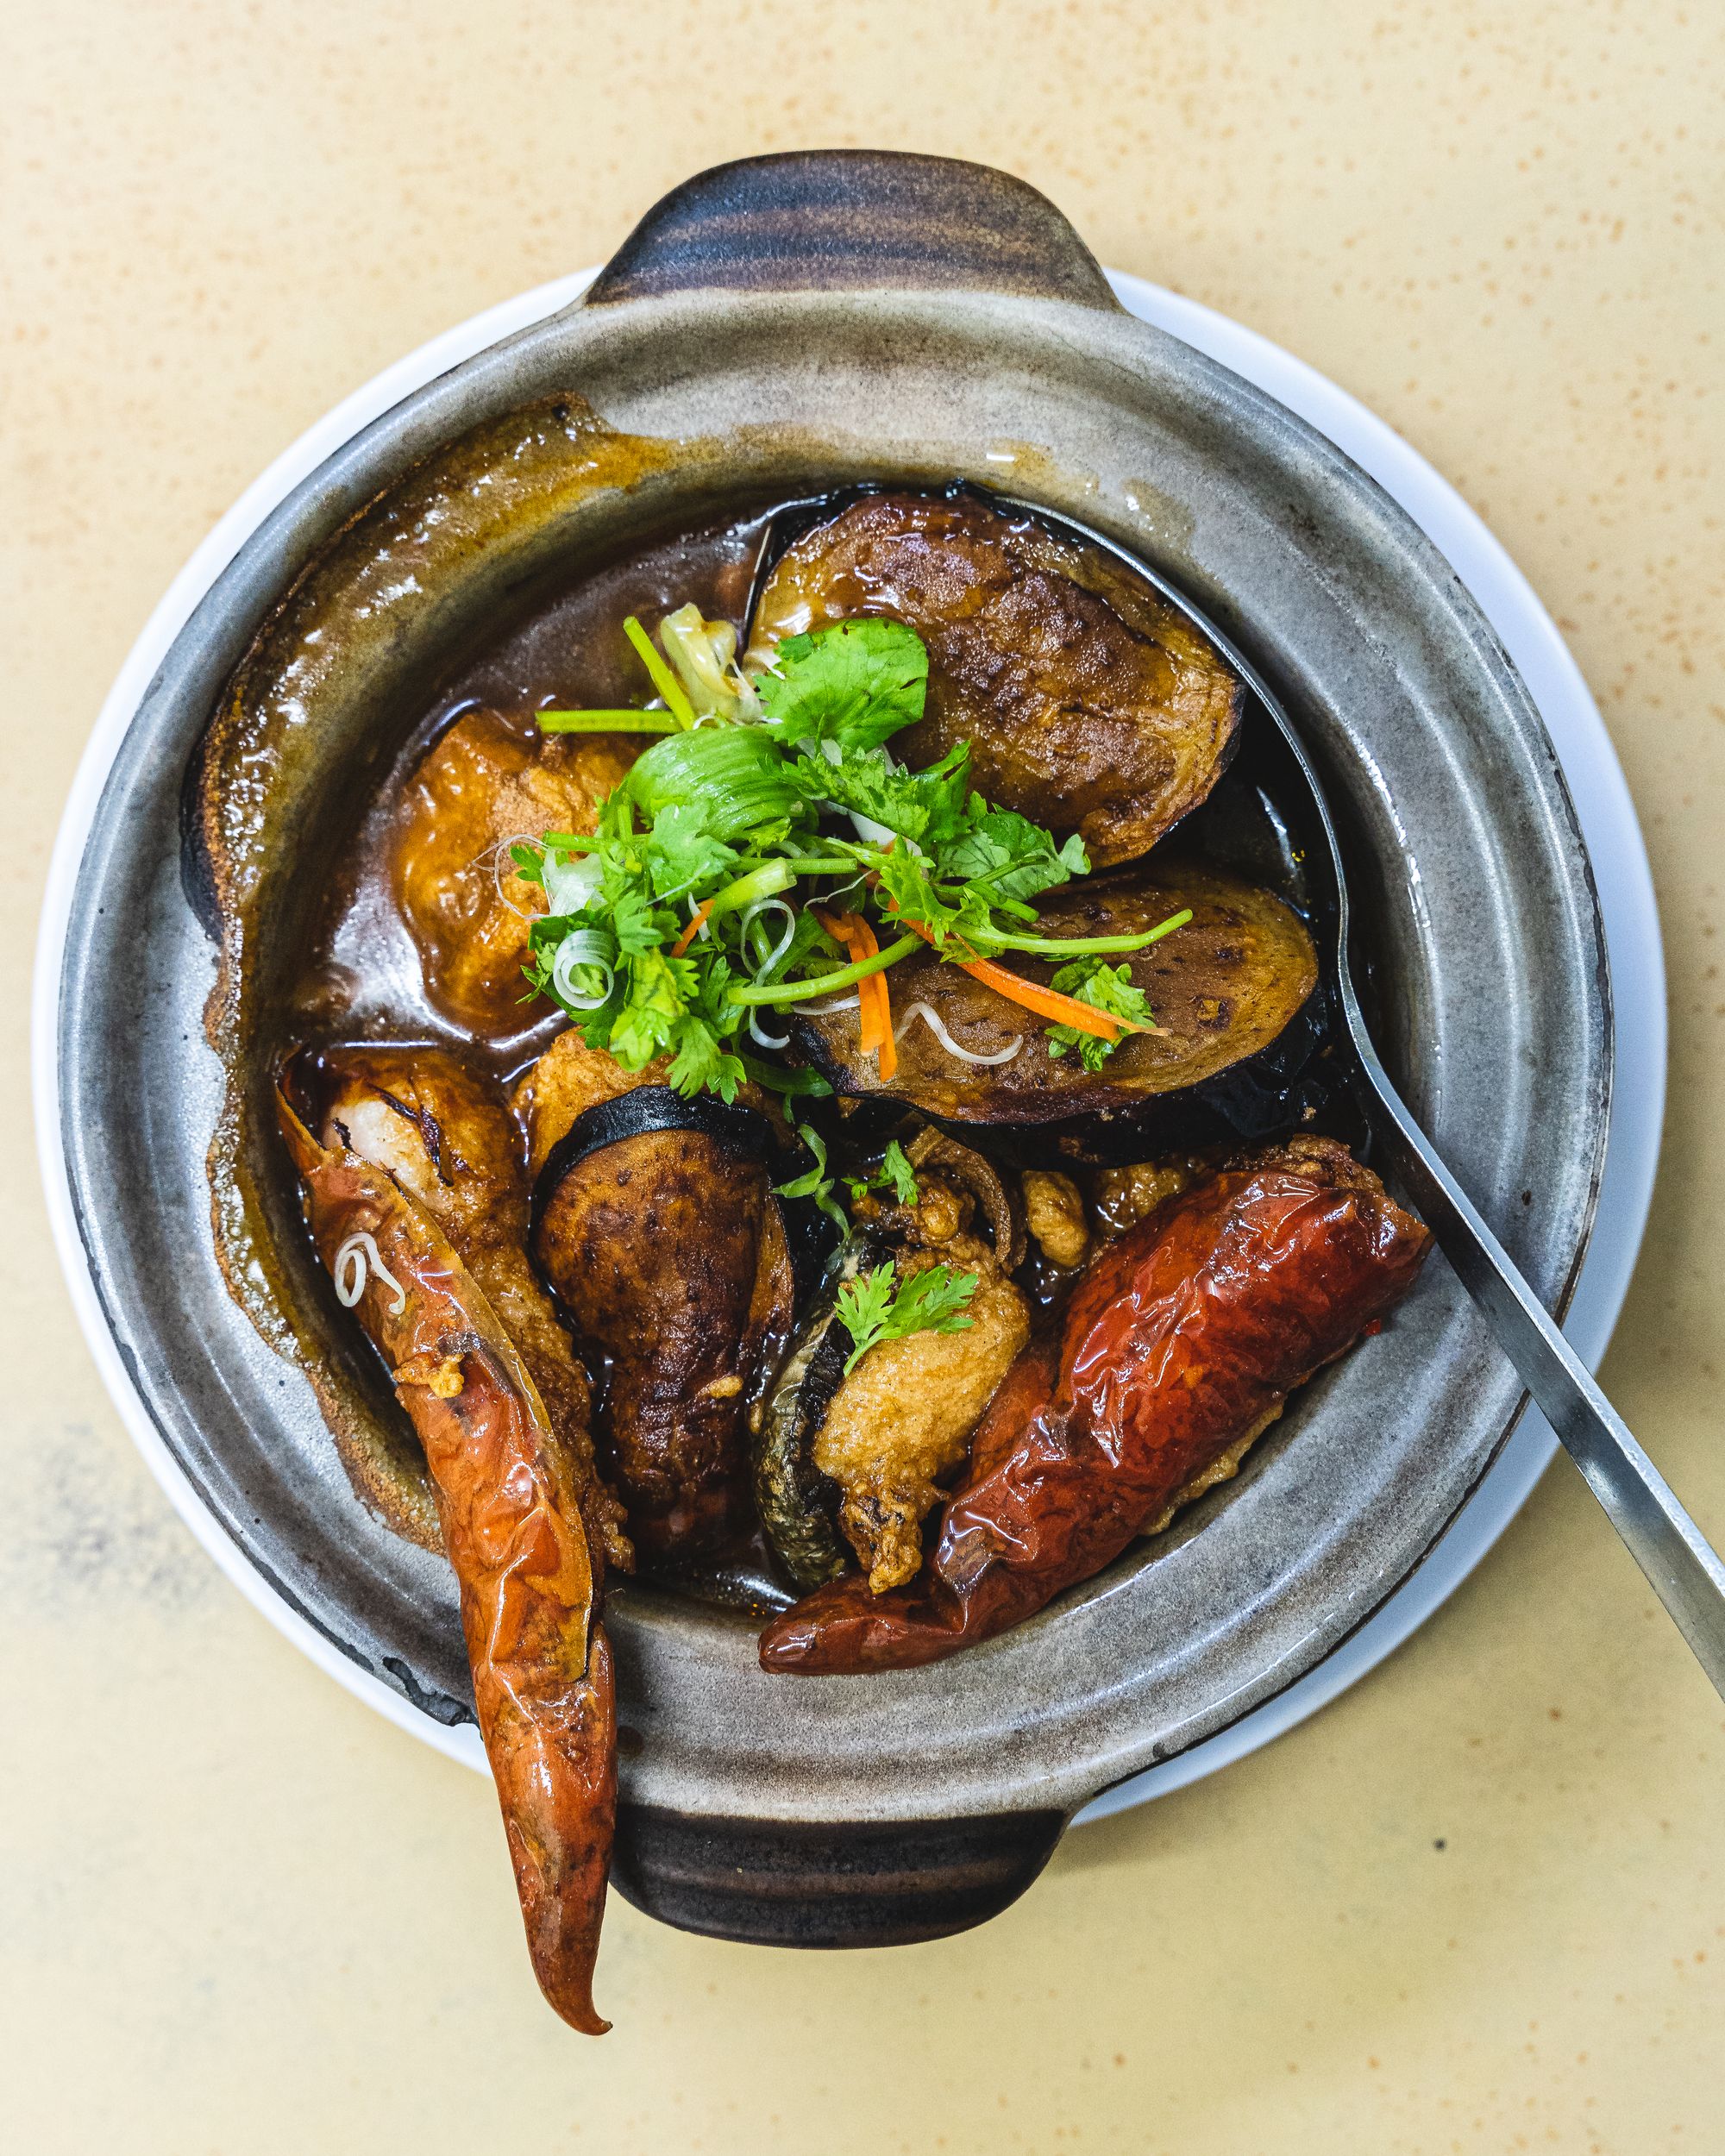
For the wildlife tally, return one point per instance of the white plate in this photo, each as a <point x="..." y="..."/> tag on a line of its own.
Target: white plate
<point x="1607" y="823"/>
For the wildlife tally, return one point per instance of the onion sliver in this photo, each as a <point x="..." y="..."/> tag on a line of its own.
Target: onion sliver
<point x="349" y="1272"/>
<point x="583" y="947"/>
<point x="965" y="1054"/>
<point x="766" y="1040"/>
<point x="753" y="914"/>
<point x="500" y="853"/>
<point x="825" y="1010"/>
<point x="569" y="885"/>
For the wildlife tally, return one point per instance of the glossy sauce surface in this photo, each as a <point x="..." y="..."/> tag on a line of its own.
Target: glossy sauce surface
<point x="363" y="977"/>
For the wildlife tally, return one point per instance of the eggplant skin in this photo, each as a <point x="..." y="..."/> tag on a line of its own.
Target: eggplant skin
<point x="667" y="1255"/>
<point x="1224" y="988"/>
<point x="1089" y="701"/>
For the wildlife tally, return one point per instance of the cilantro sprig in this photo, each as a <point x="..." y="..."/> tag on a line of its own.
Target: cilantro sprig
<point x="875" y="1307"/>
<point x="895" y="1173"/>
<point x="684" y="919"/>
<point x="1107" y="989"/>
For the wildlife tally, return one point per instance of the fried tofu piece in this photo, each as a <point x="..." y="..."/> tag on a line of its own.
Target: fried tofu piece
<point x="485" y="782"/>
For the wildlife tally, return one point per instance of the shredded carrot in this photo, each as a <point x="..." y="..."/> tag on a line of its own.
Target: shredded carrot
<point x="889" y="1046"/>
<point x="694" y="927"/>
<point x="1047" y="1003"/>
<point x="873" y="1006"/>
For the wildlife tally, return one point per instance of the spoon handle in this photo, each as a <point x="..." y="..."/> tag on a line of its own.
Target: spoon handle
<point x="1684" y="1571"/>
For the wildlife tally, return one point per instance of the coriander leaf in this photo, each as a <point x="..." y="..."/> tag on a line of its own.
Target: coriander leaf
<point x="683" y="852"/>
<point x="927" y="807"/>
<point x="856" y="684"/>
<point x="632" y="924"/>
<point x="1105" y="988"/>
<point x="1008" y="854"/>
<point x="895" y="1173"/>
<point x="930" y="1302"/>
<point x="907" y="888"/>
<point x="817" y="1183"/>
<point x="862" y="1306"/>
<point x="656" y="995"/>
<point x="700" y="1063"/>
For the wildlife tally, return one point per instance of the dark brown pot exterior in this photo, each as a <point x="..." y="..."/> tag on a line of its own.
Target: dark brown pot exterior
<point x="828" y="1883"/>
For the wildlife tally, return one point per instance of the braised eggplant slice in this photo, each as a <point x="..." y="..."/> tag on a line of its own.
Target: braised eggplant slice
<point x="1223" y="988"/>
<point x="1089" y="701"/>
<point x="511" y="1500"/>
<point x="488" y="780"/>
<point x="654" y="1225"/>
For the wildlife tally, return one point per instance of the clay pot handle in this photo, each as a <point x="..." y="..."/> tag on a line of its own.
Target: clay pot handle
<point x="853" y="220"/>
<point x="773" y="1882"/>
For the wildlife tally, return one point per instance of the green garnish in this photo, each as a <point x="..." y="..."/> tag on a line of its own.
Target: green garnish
<point x="621" y="722"/>
<point x="855" y="685"/>
<point x="676" y="697"/>
<point x="688" y="914"/>
<point x="820" y="984"/>
<point x="872" y="1307"/>
<point x="817" y="1183"/>
<point x="1105" y="988"/>
<point x="895" y="1173"/>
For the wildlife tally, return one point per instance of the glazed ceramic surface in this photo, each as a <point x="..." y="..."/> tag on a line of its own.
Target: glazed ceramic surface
<point x="758" y="360"/>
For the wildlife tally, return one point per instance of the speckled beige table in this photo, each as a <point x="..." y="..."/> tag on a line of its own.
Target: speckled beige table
<point x="1479" y="1904"/>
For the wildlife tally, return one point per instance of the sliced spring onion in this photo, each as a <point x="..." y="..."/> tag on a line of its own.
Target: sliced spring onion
<point x="734" y="773"/>
<point x="751" y="931"/>
<point x="621" y="722"/>
<point x="584" y="950"/>
<point x="676" y="700"/>
<point x="759" y="885"/>
<point x="937" y="1026"/>
<point x="842" y="977"/>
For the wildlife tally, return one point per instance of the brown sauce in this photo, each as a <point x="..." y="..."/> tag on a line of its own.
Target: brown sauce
<point x="363" y="979"/>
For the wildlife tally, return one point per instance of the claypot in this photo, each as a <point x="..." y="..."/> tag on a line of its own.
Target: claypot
<point x="785" y="326"/>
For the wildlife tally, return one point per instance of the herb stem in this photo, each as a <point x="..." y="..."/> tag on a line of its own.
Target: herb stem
<point x="764" y="882"/>
<point x="624" y="722"/>
<point x="1088" y="946"/>
<point x="820" y="864"/>
<point x="676" y="700"/>
<point x="783" y="992"/>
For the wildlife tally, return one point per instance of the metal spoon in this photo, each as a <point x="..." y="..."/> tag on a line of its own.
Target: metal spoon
<point x="1685" y="1572"/>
